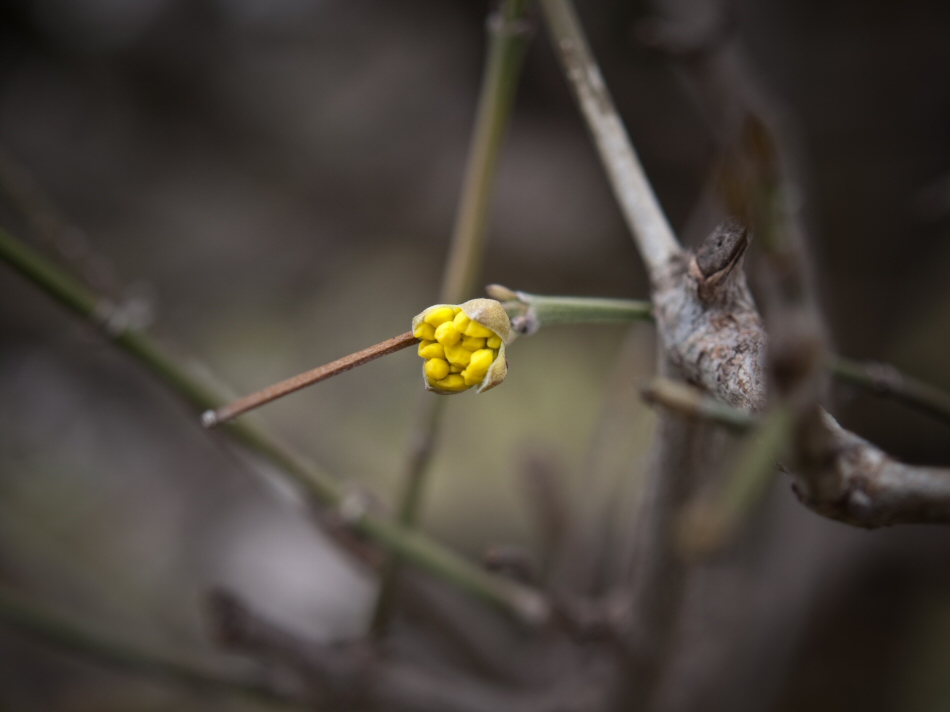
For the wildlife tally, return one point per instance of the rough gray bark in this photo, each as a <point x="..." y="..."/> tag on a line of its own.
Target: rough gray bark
<point x="708" y="322"/>
<point x="842" y="476"/>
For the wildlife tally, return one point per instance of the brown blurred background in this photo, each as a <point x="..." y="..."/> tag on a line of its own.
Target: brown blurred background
<point x="272" y="185"/>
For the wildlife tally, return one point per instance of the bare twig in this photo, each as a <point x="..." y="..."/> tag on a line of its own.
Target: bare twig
<point x="356" y="676"/>
<point x="24" y="615"/>
<point x="49" y="225"/>
<point x="508" y="35"/>
<point x="851" y="480"/>
<point x="514" y="561"/>
<point x="690" y="402"/>
<point x="641" y="210"/>
<point x="521" y="601"/>
<point x="232" y="410"/>
<point x="884" y="380"/>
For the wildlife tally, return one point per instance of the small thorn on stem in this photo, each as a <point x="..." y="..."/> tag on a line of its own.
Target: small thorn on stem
<point x="212" y="418"/>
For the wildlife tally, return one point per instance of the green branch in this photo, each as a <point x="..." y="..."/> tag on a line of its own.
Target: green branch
<point x="529" y="312"/>
<point x="20" y="613"/>
<point x="507" y="43"/>
<point x="439" y="561"/>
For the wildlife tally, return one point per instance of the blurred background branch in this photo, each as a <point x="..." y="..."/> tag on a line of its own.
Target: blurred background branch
<point x="21" y="613"/>
<point x="508" y="35"/>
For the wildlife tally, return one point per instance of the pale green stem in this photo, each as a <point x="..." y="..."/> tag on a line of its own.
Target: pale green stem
<point x="20" y="612"/>
<point x="529" y="312"/>
<point x="428" y="555"/>
<point x="508" y="40"/>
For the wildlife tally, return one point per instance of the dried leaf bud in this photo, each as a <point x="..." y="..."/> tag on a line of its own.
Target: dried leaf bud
<point x="463" y="345"/>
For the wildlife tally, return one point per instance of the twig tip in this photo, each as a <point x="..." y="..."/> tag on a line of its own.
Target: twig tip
<point x="209" y="418"/>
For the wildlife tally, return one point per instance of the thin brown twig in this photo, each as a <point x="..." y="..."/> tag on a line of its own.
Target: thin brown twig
<point x="211" y="418"/>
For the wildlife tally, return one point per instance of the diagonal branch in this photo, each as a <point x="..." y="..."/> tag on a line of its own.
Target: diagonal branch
<point x="523" y="602"/>
<point x="25" y="616"/>
<point x="641" y="210"/>
<point x="508" y="37"/>
<point x="884" y="380"/>
<point x="842" y="476"/>
<point x="691" y="402"/>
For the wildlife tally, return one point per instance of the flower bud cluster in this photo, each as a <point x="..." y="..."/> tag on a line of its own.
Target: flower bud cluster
<point x="463" y="345"/>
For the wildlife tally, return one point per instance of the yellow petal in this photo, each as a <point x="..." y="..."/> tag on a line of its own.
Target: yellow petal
<point x="481" y="360"/>
<point x="424" y="331"/>
<point x="472" y="379"/>
<point x="453" y="382"/>
<point x="440" y="316"/>
<point x="458" y="354"/>
<point x="461" y="321"/>
<point x="446" y="334"/>
<point x="436" y="369"/>
<point x="431" y="349"/>
<point x="473" y="343"/>
<point x="477" y="330"/>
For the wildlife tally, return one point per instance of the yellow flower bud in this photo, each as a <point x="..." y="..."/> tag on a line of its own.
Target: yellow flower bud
<point x="439" y="316"/>
<point x="481" y="360"/>
<point x="473" y="343"/>
<point x="424" y="331"/>
<point x="477" y="330"/>
<point x="452" y="383"/>
<point x="458" y="354"/>
<point x="463" y="345"/>
<point x="446" y="334"/>
<point x="436" y="369"/>
<point x="471" y="379"/>
<point x="430" y="349"/>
